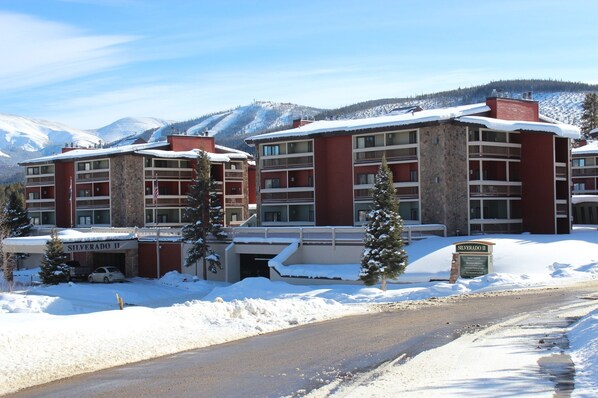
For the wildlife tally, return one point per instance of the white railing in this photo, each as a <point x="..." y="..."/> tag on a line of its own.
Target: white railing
<point x="310" y="235"/>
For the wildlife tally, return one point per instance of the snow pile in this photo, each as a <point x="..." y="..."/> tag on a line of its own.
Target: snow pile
<point x="583" y="340"/>
<point x="179" y="312"/>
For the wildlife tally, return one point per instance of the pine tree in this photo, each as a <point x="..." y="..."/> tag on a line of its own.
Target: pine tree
<point x="14" y="217"/>
<point x="204" y="216"/>
<point x="383" y="256"/>
<point x="14" y="222"/>
<point x="53" y="269"/>
<point x="589" y="117"/>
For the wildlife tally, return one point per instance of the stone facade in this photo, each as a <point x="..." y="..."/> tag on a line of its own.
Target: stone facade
<point x="127" y="191"/>
<point x="444" y="176"/>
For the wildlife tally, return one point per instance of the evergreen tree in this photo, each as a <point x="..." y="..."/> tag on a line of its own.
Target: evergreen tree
<point x="383" y="256"/>
<point x="589" y="117"/>
<point x="14" y="222"/>
<point x="204" y="216"/>
<point x="53" y="269"/>
<point x="14" y="217"/>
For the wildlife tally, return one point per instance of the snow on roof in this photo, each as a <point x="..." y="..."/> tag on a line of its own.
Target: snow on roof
<point x="325" y="126"/>
<point x="69" y="236"/>
<point x="590" y="148"/>
<point x="575" y="199"/>
<point x="560" y="129"/>
<point x="192" y="154"/>
<point x="92" y="153"/>
<point x="232" y="151"/>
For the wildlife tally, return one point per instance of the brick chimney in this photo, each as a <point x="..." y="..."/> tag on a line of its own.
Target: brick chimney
<point x="513" y="109"/>
<point x="301" y="122"/>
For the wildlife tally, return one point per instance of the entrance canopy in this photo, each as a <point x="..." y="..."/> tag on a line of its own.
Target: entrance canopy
<point x="73" y="242"/>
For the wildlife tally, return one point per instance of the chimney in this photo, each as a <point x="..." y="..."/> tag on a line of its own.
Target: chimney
<point x="301" y="122"/>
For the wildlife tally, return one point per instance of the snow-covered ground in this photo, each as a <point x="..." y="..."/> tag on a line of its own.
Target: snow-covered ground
<point x="51" y="332"/>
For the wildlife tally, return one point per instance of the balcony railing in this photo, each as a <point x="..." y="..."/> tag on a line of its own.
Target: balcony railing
<point x="274" y="197"/>
<point x="491" y="151"/>
<point x="170" y="174"/>
<point x="288" y="163"/>
<point x="401" y="192"/>
<point x="494" y="190"/>
<point x="37" y="204"/>
<point x="45" y="180"/>
<point x="89" y="203"/>
<point x="234" y="201"/>
<point x="390" y="154"/>
<point x="93" y="176"/>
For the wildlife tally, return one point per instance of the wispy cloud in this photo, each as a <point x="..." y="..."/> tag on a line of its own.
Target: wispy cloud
<point x="39" y="52"/>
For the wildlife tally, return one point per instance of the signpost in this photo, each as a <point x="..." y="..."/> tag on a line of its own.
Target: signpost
<point x="471" y="259"/>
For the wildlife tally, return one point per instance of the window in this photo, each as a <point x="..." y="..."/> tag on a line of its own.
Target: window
<point x="35" y="220"/>
<point x="84" y="220"/>
<point x="366" y="142"/>
<point x="32" y="170"/>
<point x="84" y="193"/>
<point x="83" y="166"/>
<point x="33" y="195"/>
<point x="271" y="150"/>
<point x="413" y="137"/>
<point x="271" y="216"/>
<point x="474" y="135"/>
<point x="494" y="136"/>
<point x="581" y="162"/>
<point x="581" y="186"/>
<point x="413" y="176"/>
<point x="362" y="215"/>
<point x="271" y="183"/>
<point x="366" y="178"/>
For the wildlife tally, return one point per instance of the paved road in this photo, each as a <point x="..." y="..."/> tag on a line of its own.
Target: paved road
<point x="291" y="362"/>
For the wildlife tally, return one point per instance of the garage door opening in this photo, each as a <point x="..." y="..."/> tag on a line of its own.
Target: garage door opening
<point x="255" y="265"/>
<point x="110" y="259"/>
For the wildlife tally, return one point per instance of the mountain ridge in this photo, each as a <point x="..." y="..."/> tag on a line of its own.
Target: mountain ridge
<point x="24" y="138"/>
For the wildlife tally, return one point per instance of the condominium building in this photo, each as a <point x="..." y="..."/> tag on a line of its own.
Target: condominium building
<point x="134" y="185"/>
<point x="493" y="167"/>
<point x="584" y="162"/>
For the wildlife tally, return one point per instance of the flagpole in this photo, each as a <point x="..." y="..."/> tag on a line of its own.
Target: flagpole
<point x="71" y="200"/>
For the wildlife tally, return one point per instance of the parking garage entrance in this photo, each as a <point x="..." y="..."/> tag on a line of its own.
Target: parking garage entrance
<point x="117" y="260"/>
<point x="255" y="265"/>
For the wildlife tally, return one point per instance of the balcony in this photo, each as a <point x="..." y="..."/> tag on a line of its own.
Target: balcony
<point x="399" y="154"/>
<point x="495" y="190"/>
<point x="90" y="203"/>
<point x="233" y="174"/>
<point x="237" y="200"/>
<point x="492" y="151"/>
<point x="169" y="174"/>
<point x="92" y="176"/>
<point x="40" y="204"/>
<point x="288" y="162"/>
<point x="287" y="196"/>
<point x="41" y="180"/>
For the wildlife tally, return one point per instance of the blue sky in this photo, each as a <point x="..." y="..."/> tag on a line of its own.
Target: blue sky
<point x="87" y="63"/>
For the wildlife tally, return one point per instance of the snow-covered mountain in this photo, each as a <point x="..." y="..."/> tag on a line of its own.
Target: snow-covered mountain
<point x="128" y="126"/>
<point x="24" y="138"/>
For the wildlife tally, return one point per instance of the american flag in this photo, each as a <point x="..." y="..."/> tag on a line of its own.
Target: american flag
<point x="71" y="190"/>
<point x="156" y="191"/>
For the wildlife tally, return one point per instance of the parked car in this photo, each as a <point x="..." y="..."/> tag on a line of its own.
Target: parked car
<point x="106" y="275"/>
<point x="77" y="271"/>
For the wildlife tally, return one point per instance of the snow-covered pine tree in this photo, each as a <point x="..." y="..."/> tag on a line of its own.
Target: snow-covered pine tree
<point x="14" y="222"/>
<point x="203" y="215"/>
<point x="589" y="117"/>
<point x="383" y="256"/>
<point x="14" y="216"/>
<point x="53" y="268"/>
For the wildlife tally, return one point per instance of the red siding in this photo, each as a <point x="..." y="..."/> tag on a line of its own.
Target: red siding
<point x="537" y="180"/>
<point x="512" y="109"/>
<point x="333" y="180"/>
<point x="252" y="182"/>
<point x="188" y="142"/>
<point x="170" y="258"/>
<point x="64" y="173"/>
